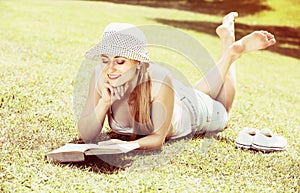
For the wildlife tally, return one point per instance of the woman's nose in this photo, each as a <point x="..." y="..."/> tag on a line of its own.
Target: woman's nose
<point x="111" y="65"/>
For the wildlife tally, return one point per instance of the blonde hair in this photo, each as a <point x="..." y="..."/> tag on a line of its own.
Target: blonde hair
<point x="140" y="103"/>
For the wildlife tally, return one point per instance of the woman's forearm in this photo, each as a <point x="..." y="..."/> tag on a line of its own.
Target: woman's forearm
<point x="153" y="141"/>
<point x="90" y="126"/>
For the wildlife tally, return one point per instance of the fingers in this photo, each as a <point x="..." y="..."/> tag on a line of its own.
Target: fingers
<point x="116" y="93"/>
<point x="120" y="91"/>
<point x="106" y="92"/>
<point x="109" y="88"/>
<point x="107" y="85"/>
<point x="124" y="88"/>
<point x="110" y="93"/>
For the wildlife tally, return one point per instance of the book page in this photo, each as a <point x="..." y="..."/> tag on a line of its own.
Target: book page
<point x="70" y="147"/>
<point x="75" y="152"/>
<point x="112" y="148"/>
<point x="123" y="147"/>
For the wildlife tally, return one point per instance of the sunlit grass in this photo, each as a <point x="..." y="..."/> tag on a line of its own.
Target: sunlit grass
<point x="42" y="44"/>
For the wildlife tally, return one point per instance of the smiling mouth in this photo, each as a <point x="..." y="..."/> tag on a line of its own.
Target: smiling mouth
<point x="113" y="76"/>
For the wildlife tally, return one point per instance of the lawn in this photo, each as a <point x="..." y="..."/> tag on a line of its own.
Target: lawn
<point x="42" y="46"/>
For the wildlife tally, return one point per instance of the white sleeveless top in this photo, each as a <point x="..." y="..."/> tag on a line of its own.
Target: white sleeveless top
<point x="181" y="118"/>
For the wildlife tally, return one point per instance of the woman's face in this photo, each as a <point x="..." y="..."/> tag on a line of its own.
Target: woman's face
<point x="118" y="70"/>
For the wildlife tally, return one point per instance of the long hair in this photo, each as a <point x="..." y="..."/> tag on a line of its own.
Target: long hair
<point x="140" y="103"/>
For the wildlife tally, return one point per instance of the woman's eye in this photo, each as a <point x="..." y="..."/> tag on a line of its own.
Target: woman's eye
<point x="105" y="61"/>
<point x="120" y="61"/>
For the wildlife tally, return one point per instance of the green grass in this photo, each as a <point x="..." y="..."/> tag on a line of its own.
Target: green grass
<point x="42" y="44"/>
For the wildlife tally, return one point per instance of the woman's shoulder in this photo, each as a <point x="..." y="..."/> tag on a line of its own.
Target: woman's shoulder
<point x="158" y="72"/>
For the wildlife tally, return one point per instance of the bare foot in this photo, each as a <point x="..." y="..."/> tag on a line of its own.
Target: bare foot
<point x="256" y="40"/>
<point x="226" y="30"/>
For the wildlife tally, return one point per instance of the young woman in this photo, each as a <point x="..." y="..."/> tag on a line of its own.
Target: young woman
<point x="140" y="98"/>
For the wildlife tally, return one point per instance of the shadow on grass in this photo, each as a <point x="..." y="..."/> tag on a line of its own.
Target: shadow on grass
<point x="146" y="159"/>
<point x="288" y="38"/>
<point x="139" y="159"/>
<point x="109" y="164"/>
<point x="213" y="7"/>
<point x="142" y="159"/>
<point x="134" y="160"/>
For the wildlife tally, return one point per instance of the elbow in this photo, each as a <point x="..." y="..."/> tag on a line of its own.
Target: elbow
<point x="82" y="134"/>
<point x="159" y="143"/>
<point x="85" y="133"/>
<point x="84" y="137"/>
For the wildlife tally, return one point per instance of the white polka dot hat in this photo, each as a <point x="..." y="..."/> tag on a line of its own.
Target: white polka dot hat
<point x="121" y="39"/>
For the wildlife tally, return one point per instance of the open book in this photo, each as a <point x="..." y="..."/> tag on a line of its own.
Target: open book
<point x="76" y="152"/>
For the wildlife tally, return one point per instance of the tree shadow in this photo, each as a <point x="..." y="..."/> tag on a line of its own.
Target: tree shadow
<point x="288" y="38"/>
<point x="212" y="7"/>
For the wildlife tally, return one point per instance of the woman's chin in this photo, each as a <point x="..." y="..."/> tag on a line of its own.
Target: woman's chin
<point x="115" y="83"/>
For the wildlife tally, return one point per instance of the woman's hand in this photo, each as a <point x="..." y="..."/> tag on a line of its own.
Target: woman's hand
<point x="119" y="91"/>
<point x="109" y="93"/>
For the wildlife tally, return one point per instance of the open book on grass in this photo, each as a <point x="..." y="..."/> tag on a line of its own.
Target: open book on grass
<point x="76" y="152"/>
